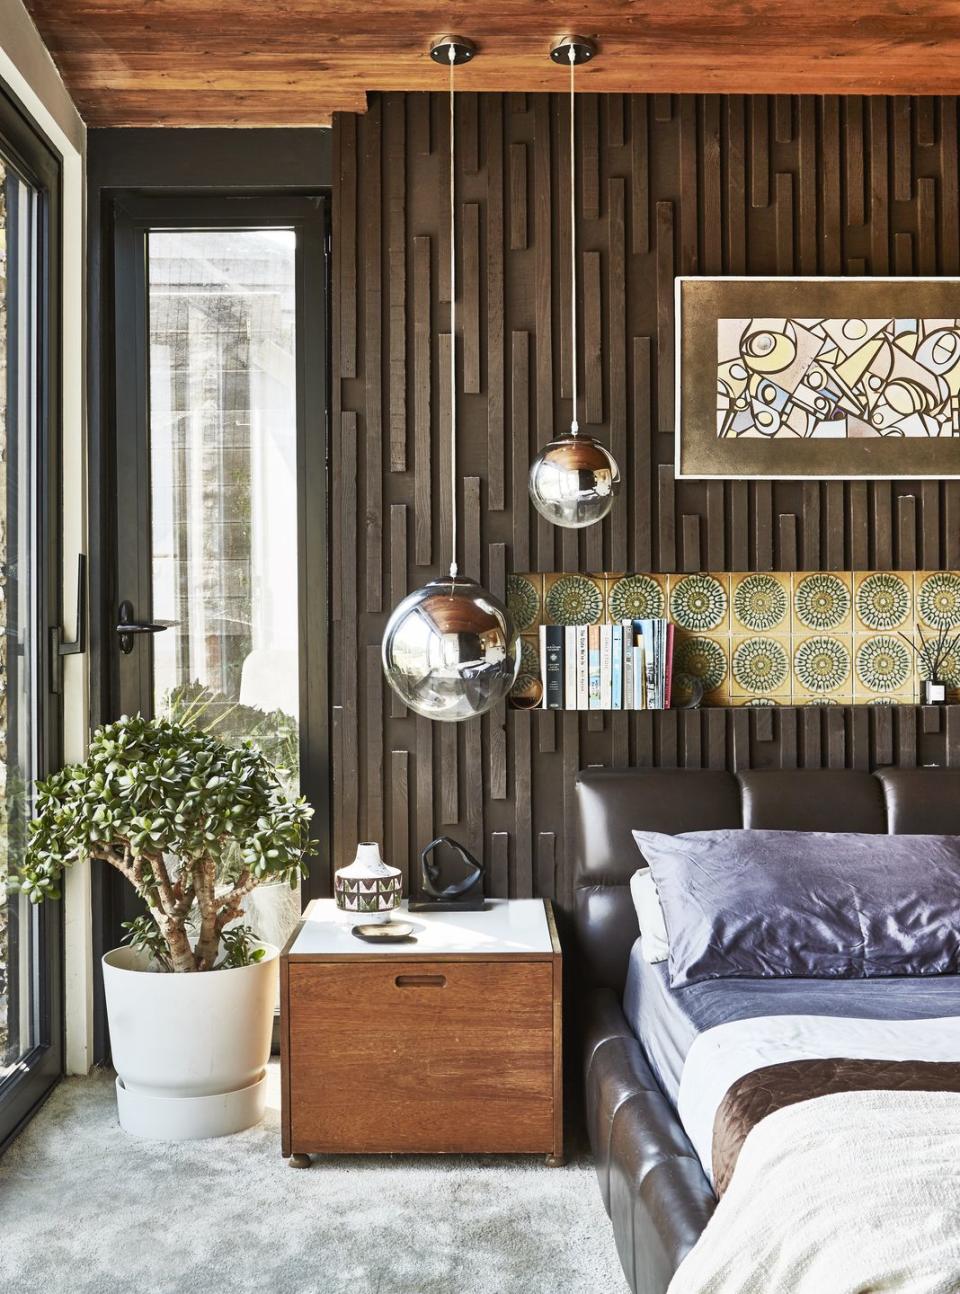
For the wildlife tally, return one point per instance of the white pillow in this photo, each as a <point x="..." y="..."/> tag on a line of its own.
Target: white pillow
<point x="653" y="931"/>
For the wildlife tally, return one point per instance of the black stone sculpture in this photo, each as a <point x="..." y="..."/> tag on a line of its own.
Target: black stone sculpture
<point x="451" y="879"/>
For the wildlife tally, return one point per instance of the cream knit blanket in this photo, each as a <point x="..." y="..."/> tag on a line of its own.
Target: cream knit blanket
<point x="854" y="1193"/>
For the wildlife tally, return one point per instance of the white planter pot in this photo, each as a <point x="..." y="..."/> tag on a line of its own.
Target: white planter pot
<point x="191" y="1050"/>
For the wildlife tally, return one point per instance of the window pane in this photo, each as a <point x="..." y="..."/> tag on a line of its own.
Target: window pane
<point x="19" y="946"/>
<point x="223" y="465"/>
<point x="223" y="469"/>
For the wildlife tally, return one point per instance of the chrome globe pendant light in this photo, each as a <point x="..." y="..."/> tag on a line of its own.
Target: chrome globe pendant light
<point x="450" y="650"/>
<point x="573" y="480"/>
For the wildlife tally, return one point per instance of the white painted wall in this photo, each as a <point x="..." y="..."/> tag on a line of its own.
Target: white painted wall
<point x="27" y="69"/>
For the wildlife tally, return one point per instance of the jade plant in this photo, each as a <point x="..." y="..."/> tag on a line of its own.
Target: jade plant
<point x="192" y="823"/>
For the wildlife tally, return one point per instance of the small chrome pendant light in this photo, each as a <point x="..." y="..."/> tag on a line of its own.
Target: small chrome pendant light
<point x="450" y="650"/>
<point x="573" y="480"/>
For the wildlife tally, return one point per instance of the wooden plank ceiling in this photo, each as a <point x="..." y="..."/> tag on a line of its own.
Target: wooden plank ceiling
<point x="296" y="62"/>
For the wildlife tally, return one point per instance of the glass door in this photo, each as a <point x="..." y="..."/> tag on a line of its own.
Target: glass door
<point x="30" y="1021"/>
<point x="221" y="482"/>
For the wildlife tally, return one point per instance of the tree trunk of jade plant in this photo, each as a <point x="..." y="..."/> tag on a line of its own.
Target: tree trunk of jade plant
<point x="170" y="900"/>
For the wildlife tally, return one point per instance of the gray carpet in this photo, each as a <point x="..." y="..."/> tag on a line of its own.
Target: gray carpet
<point x="85" y="1209"/>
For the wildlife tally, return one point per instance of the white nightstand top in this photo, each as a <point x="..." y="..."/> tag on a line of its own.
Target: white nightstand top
<point x="507" y="927"/>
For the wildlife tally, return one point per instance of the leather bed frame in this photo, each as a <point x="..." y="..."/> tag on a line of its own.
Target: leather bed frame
<point x="652" y="1184"/>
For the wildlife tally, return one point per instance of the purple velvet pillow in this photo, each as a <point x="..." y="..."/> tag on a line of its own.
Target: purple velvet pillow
<point x="821" y="904"/>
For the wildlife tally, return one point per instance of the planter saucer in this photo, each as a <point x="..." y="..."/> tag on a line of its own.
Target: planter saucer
<point x="186" y="1118"/>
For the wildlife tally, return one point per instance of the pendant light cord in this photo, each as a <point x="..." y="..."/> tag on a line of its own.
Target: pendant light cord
<point x="574" y="424"/>
<point x="453" y="336"/>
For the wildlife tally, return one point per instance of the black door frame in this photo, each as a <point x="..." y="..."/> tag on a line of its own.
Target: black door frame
<point x="128" y="217"/>
<point x="35" y="158"/>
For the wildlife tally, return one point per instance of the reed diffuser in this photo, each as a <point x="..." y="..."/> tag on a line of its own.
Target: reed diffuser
<point x="933" y="655"/>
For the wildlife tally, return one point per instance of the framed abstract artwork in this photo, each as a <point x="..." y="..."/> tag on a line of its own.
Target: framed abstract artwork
<point x="827" y="378"/>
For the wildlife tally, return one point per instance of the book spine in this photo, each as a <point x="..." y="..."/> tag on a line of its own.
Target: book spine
<point x="570" y="667"/>
<point x="554" y="667"/>
<point x="640" y="698"/>
<point x="648" y="631"/>
<point x="583" y="669"/>
<point x="658" y="662"/>
<point x="616" y="673"/>
<point x="593" y="657"/>
<point x="606" y="667"/>
<point x="543" y="667"/>
<point x="626" y="629"/>
<point x="669" y="665"/>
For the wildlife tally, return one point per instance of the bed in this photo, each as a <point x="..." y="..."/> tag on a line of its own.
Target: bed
<point x="657" y="1108"/>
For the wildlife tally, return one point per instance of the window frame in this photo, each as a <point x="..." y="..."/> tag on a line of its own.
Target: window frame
<point x="29" y="151"/>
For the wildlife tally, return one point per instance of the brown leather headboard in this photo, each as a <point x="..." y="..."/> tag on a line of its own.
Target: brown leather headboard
<point x="611" y="803"/>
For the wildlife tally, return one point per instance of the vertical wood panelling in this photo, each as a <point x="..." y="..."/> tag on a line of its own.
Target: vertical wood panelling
<point x="617" y="361"/>
<point x="520" y="439"/>
<point x="593" y="354"/>
<point x="372" y="363"/>
<point x="518" y="197"/>
<point x="400" y="814"/>
<point x="372" y="743"/>
<point x="347" y="303"/>
<point x="639" y="173"/>
<point x="422" y="385"/>
<point x="470" y="250"/>
<point x="398" y="579"/>
<point x="396" y="148"/>
<point x="347" y="801"/>
<point x="590" y="157"/>
<point x="738" y="185"/>
<point x="496" y="474"/>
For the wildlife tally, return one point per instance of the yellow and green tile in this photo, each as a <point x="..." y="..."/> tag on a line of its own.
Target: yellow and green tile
<point x="760" y="603"/>
<point x="700" y="603"/>
<point x="822" y="602"/>
<point x="525" y="601"/>
<point x="823" y="665"/>
<point x="882" y="601"/>
<point x="573" y="599"/>
<point x="636" y="597"/>
<point x="761" y="665"/>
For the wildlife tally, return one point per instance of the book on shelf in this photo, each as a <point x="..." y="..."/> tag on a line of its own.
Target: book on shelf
<point x="668" y="666"/>
<point x="553" y="668"/>
<point x="646" y="635"/>
<point x="583" y="668"/>
<point x="570" y="667"/>
<point x="640" y="701"/>
<point x="616" y="668"/>
<point x="606" y="667"/>
<point x="542" y="634"/>
<point x="626" y="629"/>
<point x="593" y="666"/>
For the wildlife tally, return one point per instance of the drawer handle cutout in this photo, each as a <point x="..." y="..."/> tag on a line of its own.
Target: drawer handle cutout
<point x="421" y="981"/>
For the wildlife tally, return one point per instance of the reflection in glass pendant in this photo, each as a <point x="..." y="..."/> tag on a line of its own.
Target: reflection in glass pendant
<point x="573" y="481"/>
<point x="450" y="650"/>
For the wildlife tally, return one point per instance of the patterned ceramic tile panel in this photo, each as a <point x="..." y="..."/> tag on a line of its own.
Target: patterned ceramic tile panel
<point x="636" y="597"/>
<point x="574" y="599"/>
<point x="772" y="638"/>
<point x="525" y="601"/>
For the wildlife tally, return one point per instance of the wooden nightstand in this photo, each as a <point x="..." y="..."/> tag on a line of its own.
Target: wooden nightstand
<point x="449" y="1044"/>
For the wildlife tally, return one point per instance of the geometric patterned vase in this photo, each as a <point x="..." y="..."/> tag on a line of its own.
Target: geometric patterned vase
<point x="368" y="886"/>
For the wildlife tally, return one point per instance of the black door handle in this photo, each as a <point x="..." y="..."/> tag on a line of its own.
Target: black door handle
<point x="127" y="626"/>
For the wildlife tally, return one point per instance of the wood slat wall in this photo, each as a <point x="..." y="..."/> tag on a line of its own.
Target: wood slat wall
<point x="668" y="185"/>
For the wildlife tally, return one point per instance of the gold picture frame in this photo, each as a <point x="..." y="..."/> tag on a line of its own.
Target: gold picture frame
<point x="818" y="378"/>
